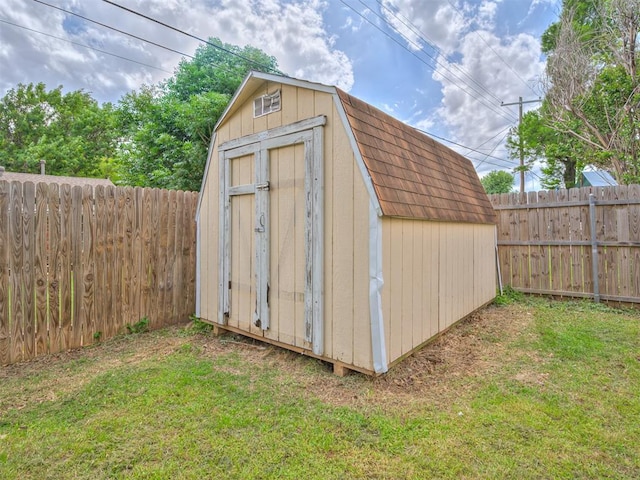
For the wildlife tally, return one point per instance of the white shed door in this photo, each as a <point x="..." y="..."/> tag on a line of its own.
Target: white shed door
<point x="271" y="233"/>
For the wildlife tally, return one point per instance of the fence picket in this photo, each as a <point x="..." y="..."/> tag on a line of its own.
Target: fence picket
<point x="16" y="296"/>
<point x="41" y="263"/>
<point x="87" y="271"/>
<point x="5" y="321"/>
<point x="111" y="278"/>
<point x="54" y="274"/>
<point x="66" y="273"/>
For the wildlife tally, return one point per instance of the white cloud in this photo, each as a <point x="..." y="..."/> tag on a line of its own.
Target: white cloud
<point x="291" y="31"/>
<point x="500" y="66"/>
<point x="476" y="69"/>
<point x="437" y="21"/>
<point x="486" y="14"/>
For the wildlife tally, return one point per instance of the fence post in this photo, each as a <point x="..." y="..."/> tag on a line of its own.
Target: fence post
<point x="594" y="247"/>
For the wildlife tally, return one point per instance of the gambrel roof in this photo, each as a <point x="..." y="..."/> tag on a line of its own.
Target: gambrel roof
<point x="413" y="175"/>
<point x="408" y="173"/>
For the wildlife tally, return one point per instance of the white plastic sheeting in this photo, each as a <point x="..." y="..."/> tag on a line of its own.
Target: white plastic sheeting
<point x="376" y="282"/>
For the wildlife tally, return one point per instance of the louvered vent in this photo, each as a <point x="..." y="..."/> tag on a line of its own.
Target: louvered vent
<point x="266" y="104"/>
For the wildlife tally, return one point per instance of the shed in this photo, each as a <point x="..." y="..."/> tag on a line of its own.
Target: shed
<point x="596" y="178"/>
<point x="330" y="228"/>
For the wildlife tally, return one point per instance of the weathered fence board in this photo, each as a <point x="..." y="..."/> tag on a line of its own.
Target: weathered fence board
<point x="545" y="242"/>
<point x="5" y="326"/>
<point x="78" y="264"/>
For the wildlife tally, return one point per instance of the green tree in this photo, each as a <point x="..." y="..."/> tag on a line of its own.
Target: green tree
<point x="497" y="181"/>
<point x="561" y="154"/>
<point x="168" y="127"/>
<point x="593" y="86"/>
<point x="71" y="132"/>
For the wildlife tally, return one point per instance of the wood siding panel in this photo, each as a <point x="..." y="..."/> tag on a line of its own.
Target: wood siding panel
<point x="362" y="343"/>
<point x="453" y="275"/>
<point x="342" y="313"/>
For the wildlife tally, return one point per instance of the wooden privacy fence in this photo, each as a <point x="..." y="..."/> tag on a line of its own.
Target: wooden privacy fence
<point x="78" y="264"/>
<point x="558" y="243"/>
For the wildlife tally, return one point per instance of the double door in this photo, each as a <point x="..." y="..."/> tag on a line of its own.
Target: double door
<point x="271" y="234"/>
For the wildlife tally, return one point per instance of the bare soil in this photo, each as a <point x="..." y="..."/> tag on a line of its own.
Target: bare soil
<point x="435" y="374"/>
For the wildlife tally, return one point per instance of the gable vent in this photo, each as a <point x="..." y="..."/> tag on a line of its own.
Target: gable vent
<point x="266" y="104"/>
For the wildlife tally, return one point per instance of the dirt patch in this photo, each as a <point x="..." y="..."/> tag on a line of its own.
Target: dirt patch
<point x="435" y="374"/>
<point x="473" y="348"/>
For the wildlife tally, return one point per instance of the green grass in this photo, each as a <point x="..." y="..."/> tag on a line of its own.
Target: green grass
<point x="560" y="399"/>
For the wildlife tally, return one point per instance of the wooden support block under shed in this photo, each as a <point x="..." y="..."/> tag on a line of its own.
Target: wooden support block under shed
<point x="340" y="370"/>
<point x="217" y="331"/>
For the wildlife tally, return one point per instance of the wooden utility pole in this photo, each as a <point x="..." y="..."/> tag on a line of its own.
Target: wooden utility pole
<point x="520" y="102"/>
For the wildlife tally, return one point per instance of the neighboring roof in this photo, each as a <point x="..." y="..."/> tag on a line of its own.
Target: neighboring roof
<point x="409" y="174"/>
<point x="413" y="175"/>
<point x="73" y="181"/>
<point x="597" y="178"/>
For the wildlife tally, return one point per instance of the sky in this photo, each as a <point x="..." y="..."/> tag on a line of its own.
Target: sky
<point x="443" y="66"/>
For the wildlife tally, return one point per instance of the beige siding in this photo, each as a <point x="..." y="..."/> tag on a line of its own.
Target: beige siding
<point x="435" y="274"/>
<point x="346" y="250"/>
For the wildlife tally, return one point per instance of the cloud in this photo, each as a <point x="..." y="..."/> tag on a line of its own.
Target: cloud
<point x="476" y="69"/>
<point x="291" y="31"/>
<point x="436" y="21"/>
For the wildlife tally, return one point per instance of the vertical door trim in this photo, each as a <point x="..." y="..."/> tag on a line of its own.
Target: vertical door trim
<point x="262" y="229"/>
<point x="309" y="132"/>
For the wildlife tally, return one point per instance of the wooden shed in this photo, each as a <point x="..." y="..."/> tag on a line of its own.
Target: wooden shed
<point x="330" y="228"/>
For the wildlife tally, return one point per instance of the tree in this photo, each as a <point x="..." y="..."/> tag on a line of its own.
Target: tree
<point x="497" y="181"/>
<point x="168" y="127"/>
<point x="593" y="86"/>
<point x="71" y="132"/>
<point x="561" y="154"/>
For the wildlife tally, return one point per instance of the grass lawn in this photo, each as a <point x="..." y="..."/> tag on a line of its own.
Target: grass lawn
<point x="530" y="389"/>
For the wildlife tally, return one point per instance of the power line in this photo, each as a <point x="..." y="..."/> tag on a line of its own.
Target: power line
<point x="437" y="62"/>
<point x="247" y="59"/>
<point x="467" y="148"/>
<point x="492" y="150"/>
<point x="489" y="106"/>
<point x="422" y="36"/>
<point x="115" y="29"/>
<point x="83" y="45"/>
<point x="493" y="50"/>
<point x="150" y="42"/>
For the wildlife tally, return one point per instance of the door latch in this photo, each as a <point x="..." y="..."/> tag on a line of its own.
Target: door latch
<point x="262" y="186"/>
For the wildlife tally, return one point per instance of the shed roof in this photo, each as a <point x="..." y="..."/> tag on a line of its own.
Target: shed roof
<point x="597" y="178"/>
<point x="73" y="181"/>
<point x="410" y="174"/>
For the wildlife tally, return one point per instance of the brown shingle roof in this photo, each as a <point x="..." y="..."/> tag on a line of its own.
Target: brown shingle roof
<point x="73" y="181"/>
<point x="413" y="175"/>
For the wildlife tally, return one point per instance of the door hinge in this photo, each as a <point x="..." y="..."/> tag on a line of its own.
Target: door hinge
<point x="262" y="186"/>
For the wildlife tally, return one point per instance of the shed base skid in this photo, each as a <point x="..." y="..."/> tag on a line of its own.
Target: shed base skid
<point x="339" y="368"/>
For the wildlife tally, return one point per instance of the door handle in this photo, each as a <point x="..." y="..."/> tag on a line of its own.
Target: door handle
<point x="260" y="228"/>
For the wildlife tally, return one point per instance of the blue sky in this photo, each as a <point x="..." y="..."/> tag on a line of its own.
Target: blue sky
<point x="440" y="65"/>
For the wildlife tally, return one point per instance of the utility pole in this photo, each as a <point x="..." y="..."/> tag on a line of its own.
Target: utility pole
<point x="520" y="102"/>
